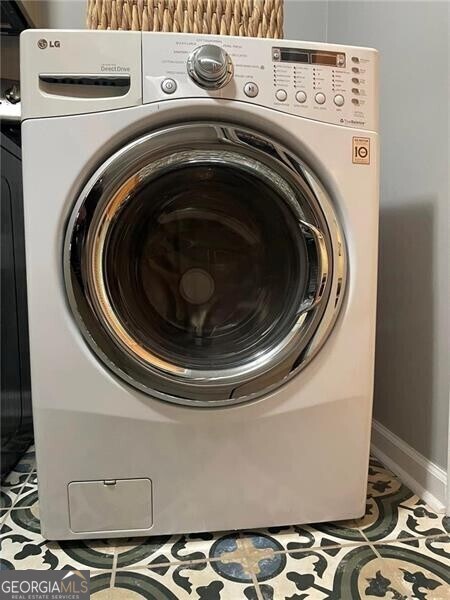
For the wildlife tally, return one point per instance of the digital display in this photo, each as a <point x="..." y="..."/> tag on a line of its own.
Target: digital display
<point x="294" y="55"/>
<point x="313" y="57"/>
<point x="324" y="59"/>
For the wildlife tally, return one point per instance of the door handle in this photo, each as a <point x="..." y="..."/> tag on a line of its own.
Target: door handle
<point x="318" y="263"/>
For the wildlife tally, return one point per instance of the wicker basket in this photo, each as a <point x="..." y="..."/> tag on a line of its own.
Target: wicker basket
<point x="254" y="18"/>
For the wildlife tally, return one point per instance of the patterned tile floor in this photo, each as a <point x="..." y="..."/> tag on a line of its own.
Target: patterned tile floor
<point x="399" y="550"/>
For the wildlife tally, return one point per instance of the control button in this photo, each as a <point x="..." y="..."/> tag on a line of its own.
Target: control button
<point x="355" y="59"/>
<point x="251" y="89"/>
<point x="340" y="60"/>
<point x="300" y="96"/>
<point x="355" y="70"/>
<point x="339" y="100"/>
<point x="169" y="86"/>
<point x="355" y="90"/>
<point x="355" y="80"/>
<point x="320" y="98"/>
<point x="355" y="101"/>
<point x="281" y="95"/>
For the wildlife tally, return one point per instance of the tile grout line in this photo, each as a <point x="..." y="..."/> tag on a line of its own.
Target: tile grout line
<point x="371" y="545"/>
<point x="375" y="551"/>
<point x="374" y="543"/>
<point x="409" y="539"/>
<point x="254" y="579"/>
<point x="112" y="581"/>
<point x="258" y="591"/>
<point x="365" y="542"/>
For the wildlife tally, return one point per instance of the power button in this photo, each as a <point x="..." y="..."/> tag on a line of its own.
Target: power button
<point x="168" y="86"/>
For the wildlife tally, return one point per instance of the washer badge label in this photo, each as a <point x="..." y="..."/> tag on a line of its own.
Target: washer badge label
<point x="361" y="151"/>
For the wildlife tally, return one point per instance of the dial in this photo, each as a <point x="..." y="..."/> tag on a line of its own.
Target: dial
<point x="210" y="67"/>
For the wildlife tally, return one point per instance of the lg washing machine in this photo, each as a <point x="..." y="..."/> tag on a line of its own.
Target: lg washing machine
<point x="201" y="238"/>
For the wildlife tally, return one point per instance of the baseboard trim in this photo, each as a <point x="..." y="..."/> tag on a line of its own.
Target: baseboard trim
<point x="423" y="477"/>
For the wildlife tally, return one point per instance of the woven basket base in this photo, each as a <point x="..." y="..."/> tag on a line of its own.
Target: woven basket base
<point x="253" y="18"/>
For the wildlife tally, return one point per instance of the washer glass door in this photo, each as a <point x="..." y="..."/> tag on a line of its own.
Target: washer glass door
<point x="199" y="264"/>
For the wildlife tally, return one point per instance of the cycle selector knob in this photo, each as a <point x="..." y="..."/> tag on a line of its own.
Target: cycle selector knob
<point x="210" y="67"/>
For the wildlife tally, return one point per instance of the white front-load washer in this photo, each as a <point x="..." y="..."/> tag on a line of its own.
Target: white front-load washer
<point x="201" y="234"/>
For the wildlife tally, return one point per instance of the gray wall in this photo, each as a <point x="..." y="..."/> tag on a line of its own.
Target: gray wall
<point x="44" y="14"/>
<point x="306" y="20"/>
<point x="412" y="360"/>
<point x="57" y="14"/>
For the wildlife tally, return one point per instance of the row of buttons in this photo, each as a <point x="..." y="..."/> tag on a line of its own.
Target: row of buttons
<point x="301" y="97"/>
<point x="355" y="80"/>
<point x="251" y="90"/>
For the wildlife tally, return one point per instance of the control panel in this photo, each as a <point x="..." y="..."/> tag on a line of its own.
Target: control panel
<point x="325" y="82"/>
<point x="66" y="72"/>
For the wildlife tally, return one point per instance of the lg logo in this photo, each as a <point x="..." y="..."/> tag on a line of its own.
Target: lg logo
<point x="43" y="44"/>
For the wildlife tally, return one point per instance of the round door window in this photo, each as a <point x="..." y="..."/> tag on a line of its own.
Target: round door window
<point x="200" y="264"/>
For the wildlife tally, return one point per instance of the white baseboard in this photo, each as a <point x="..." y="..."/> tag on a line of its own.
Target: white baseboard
<point x="423" y="477"/>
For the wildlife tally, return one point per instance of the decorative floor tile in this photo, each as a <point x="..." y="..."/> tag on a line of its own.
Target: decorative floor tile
<point x="28" y="495"/>
<point x="186" y="581"/>
<point x="211" y="581"/>
<point x="332" y="574"/>
<point x="363" y="572"/>
<point x="394" y="512"/>
<point x="126" y="585"/>
<point x="33" y="481"/>
<point x="437" y="548"/>
<point x="6" y="501"/>
<point x="11" y="487"/>
<point x="27" y="463"/>
<point x="23" y="547"/>
<point x="242" y="557"/>
<point x="94" y="555"/>
<point x="320" y="535"/>
<point x="14" y="480"/>
<point x="100" y="586"/>
<point x="418" y="570"/>
<point x="373" y="460"/>
<point x="141" y="552"/>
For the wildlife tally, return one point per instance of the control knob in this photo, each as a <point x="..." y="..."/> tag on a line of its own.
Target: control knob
<point x="210" y="67"/>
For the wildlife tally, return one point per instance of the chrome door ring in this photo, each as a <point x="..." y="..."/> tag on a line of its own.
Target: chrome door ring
<point x="110" y="188"/>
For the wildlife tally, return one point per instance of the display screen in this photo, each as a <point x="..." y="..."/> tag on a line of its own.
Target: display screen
<point x="313" y="57"/>
<point x="324" y="59"/>
<point x="294" y="55"/>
